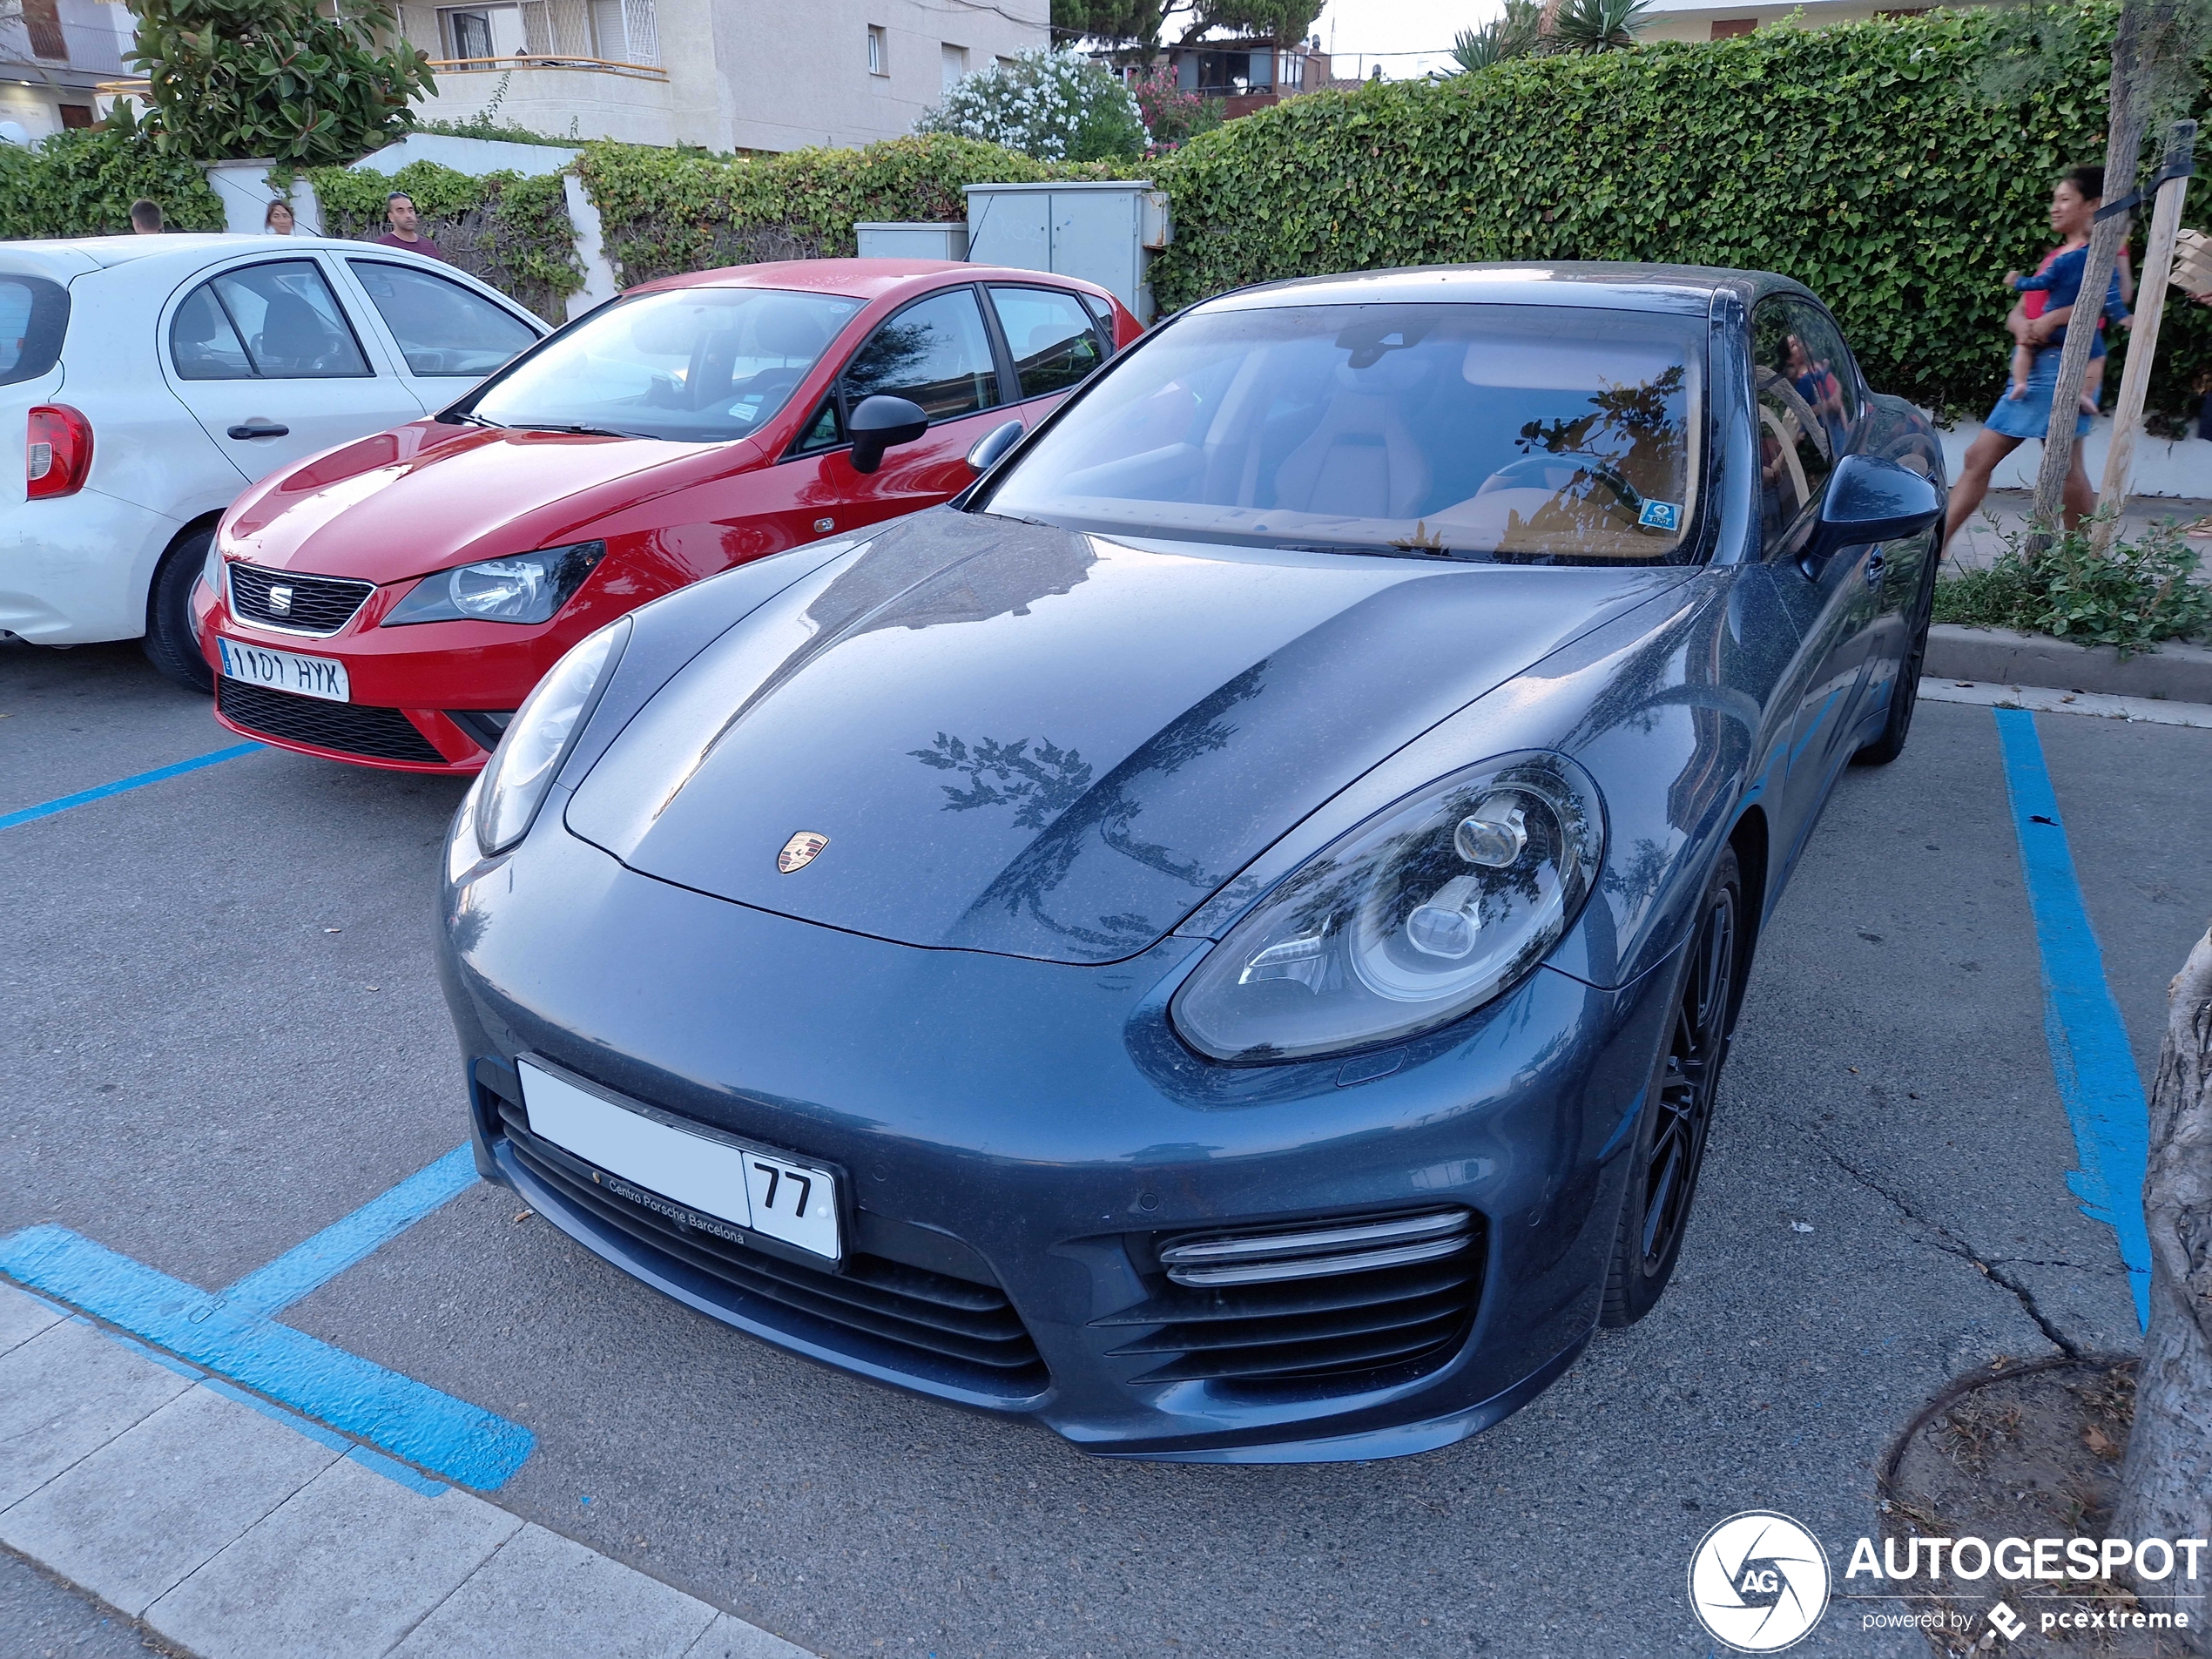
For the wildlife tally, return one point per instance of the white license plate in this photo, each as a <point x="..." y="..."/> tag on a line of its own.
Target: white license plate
<point x="770" y="1194"/>
<point x="284" y="670"/>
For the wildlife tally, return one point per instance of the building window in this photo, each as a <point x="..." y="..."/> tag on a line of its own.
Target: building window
<point x="1005" y="63"/>
<point x="956" y="59"/>
<point x="76" y="116"/>
<point x="479" y="34"/>
<point x="1730" y="28"/>
<point x="879" y="50"/>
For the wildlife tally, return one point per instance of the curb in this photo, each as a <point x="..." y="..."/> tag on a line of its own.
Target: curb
<point x="2175" y="672"/>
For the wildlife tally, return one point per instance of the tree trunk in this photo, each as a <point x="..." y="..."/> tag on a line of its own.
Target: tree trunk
<point x="2142" y="343"/>
<point x="2166" y="1483"/>
<point x="2123" y="149"/>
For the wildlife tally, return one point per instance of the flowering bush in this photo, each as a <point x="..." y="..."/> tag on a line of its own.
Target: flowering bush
<point x="1172" y="115"/>
<point x="1057" y="106"/>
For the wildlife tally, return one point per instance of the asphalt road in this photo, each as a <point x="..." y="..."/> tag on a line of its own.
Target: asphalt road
<point x="225" y="1034"/>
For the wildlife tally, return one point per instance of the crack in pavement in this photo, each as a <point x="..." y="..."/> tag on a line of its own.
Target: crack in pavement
<point x="1991" y="1267"/>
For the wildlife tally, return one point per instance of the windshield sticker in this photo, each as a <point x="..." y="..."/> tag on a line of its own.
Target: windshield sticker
<point x="1661" y="516"/>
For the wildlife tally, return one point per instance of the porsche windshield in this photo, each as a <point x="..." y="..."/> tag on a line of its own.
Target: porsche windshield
<point x="697" y="365"/>
<point x="1538" y="434"/>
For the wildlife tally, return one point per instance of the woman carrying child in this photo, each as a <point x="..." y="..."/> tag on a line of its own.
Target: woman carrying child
<point x="2039" y="325"/>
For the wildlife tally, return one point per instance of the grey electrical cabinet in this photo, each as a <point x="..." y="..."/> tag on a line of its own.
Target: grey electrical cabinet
<point x="1104" y="233"/>
<point x="895" y="241"/>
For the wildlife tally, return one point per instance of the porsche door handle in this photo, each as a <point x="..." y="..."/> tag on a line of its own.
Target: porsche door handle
<point x="260" y="429"/>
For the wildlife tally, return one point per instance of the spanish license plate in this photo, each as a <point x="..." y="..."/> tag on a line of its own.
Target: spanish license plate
<point x="716" y="1176"/>
<point x="284" y="670"/>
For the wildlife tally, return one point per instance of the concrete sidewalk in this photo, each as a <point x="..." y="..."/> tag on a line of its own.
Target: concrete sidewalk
<point x="1979" y="541"/>
<point x="234" y="1529"/>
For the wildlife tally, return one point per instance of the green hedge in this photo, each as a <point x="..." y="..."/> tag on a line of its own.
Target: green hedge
<point x="513" y="231"/>
<point x="1860" y="159"/>
<point x="83" y="183"/>
<point x="669" y="211"/>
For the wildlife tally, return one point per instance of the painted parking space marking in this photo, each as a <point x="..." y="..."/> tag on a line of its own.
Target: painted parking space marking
<point x="2095" y="1069"/>
<point x="268" y="1289"/>
<point x="231" y="1332"/>
<point x="137" y="780"/>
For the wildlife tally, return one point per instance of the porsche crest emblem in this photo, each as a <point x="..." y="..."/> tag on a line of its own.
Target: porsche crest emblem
<point x="798" y="851"/>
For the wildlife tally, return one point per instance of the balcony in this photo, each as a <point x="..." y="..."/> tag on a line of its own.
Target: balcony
<point x="69" y="44"/>
<point x="583" y="98"/>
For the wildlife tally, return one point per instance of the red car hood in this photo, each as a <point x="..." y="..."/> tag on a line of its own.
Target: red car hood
<point x="426" y="496"/>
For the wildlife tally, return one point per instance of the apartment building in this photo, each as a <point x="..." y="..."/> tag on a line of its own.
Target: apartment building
<point x="53" y="54"/>
<point x="757" y="75"/>
<point x="1723" y="19"/>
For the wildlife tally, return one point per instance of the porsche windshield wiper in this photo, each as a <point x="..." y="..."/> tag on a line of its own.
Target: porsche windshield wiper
<point x="473" y="419"/>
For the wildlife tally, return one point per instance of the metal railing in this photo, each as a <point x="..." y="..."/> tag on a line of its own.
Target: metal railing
<point x="530" y="60"/>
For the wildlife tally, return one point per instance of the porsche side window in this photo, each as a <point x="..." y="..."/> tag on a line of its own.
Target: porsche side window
<point x="1794" y="457"/>
<point x="1051" y="337"/>
<point x="934" y="353"/>
<point x="1820" y="368"/>
<point x="202" y="343"/>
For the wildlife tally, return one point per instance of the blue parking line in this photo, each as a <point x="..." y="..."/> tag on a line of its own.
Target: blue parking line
<point x="83" y="797"/>
<point x="337" y="1247"/>
<point x="2095" y="1069"/>
<point x="409" y="1420"/>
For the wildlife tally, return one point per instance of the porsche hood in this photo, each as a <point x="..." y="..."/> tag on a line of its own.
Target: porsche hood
<point x="1010" y="737"/>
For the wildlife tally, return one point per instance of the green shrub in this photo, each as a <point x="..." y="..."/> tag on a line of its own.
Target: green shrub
<point x="2133" y="596"/>
<point x="241" y="79"/>
<point x="511" y="231"/>
<point x="1862" y="159"/>
<point x="669" y="211"/>
<point x="83" y="184"/>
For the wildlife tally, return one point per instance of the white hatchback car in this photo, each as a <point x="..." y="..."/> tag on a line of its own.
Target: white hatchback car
<point x="155" y="377"/>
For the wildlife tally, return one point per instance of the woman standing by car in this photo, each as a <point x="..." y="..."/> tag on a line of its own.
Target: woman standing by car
<point x="276" y="218"/>
<point x="2074" y="201"/>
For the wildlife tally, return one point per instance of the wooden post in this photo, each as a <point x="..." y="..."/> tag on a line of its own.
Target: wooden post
<point x="2142" y="341"/>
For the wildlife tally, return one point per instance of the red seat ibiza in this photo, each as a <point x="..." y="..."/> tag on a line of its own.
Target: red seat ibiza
<point x="392" y="602"/>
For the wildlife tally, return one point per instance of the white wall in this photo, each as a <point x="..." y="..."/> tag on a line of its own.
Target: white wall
<point x="2182" y="468"/>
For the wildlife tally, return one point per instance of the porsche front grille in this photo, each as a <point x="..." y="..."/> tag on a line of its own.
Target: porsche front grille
<point x="1344" y="1304"/>
<point x="952" y="1329"/>
<point x="300" y="604"/>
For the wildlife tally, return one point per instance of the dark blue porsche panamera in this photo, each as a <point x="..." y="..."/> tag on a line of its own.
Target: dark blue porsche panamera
<point x="1222" y="939"/>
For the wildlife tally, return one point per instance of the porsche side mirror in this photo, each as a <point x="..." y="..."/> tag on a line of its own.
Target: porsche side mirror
<point x="881" y="422"/>
<point x="993" y="445"/>
<point x="1872" y="500"/>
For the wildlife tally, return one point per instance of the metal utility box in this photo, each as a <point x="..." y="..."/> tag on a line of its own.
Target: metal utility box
<point x="1102" y="232"/>
<point x="891" y="241"/>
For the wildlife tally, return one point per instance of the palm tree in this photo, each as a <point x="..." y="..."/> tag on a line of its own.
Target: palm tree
<point x="1600" y="26"/>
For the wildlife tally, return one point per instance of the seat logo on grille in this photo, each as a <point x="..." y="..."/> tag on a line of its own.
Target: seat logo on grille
<point x="799" y="851"/>
<point x="280" y="601"/>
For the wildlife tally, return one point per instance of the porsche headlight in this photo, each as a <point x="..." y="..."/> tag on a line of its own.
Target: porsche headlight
<point x="1425" y="912"/>
<point x="530" y="587"/>
<point x="521" y="769"/>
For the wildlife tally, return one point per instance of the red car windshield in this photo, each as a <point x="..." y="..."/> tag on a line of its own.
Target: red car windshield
<point x="1535" y="434"/>
<point x="695" y="365"/>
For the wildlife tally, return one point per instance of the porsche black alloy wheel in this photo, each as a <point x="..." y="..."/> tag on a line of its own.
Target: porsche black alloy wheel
<point x="1678" y="1113"/>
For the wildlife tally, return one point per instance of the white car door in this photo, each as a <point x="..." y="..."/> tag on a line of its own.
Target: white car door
<point x="450" y="333"/>
<point x="274" y="367"/>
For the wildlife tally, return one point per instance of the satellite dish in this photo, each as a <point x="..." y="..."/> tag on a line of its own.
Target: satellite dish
<point x="12" y="132"/>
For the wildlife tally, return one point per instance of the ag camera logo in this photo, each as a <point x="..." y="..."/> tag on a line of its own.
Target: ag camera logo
<point x="1758" y="1581"/>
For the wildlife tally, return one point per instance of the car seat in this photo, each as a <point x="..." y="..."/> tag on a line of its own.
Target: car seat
<point x="1360" y="462"/>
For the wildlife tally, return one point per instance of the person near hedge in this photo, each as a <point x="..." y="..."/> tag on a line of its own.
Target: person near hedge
<point x="2074" y="200"/>
<point x="146" y="218"/>
<point x="276" y="218"/>
<point x="399" y="209"/>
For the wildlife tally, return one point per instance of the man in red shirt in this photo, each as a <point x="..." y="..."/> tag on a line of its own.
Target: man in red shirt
<point x="399" y="208"/>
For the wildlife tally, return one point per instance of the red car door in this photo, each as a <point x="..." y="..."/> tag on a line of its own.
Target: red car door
<point x="940" y="352"/>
